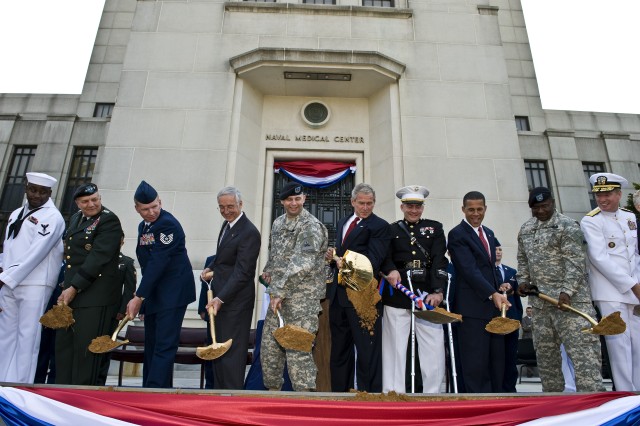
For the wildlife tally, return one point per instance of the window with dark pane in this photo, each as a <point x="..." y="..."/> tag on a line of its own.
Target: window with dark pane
<point x="80" y="172"/>
<point x="589" y="169"/>
<point x="537" y="174"/>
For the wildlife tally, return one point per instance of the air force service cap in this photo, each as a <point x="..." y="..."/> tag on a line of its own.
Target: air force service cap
<point x="412" y="194"/>
<point x="145" y="193"/>
<point x="41" y="179"/>
<point x="538" y="195"/>
<point x="291" y="188"/>
<point x="605" y="182"/>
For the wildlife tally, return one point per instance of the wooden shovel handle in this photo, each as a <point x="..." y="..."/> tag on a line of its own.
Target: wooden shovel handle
<point x="212" y="326"/>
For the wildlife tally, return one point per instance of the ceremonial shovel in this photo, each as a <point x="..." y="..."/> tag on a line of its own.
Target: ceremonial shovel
<point x="293" y="337"/>
<point x="502" y="324"/>
<point x="427" y="312"/>
<point x="608" y="326"/>
<point x="356" y="271"/>
<point x="103" y="344"/>
<point x="215" y="349"/>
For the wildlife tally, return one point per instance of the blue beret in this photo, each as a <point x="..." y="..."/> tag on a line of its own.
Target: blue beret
<point x="291" y="188"/>
<point x="86" y="189"/>
<point x="538" y="195"/>
<point x="145" y="193"/>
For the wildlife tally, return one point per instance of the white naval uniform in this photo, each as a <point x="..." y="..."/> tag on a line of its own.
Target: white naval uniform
<point x="31" y="263"/>
<point x="614" y="267"/>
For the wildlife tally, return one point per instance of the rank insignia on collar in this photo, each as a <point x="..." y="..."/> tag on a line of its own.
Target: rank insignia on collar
<point x="166" y="239"/>
<point x="33" y="220"/>
<point x="147" y="239"/>
<point x="632" y="224"/>
<point x="612" y="244"/>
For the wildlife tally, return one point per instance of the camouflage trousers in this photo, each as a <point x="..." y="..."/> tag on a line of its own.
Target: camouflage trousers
<point x="302" y="368"/>
<point x="551" y="327"/>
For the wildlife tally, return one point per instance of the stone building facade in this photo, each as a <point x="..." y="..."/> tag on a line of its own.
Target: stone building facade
<point x="194" y="95"/>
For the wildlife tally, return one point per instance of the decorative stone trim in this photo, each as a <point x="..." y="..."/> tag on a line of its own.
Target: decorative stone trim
<point x="314" y="9"/>
<point x="616" y="135"/>
<point x="488" y="10"/>
<point x="347" y="58"/>
<point x="560" y="133"/>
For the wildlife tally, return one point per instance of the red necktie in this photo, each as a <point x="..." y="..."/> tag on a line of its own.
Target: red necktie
<point x="351" y="226"/>
<point x="484" y="242"/>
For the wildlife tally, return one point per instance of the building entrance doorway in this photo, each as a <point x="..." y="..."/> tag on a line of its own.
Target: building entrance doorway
<point x="327" y="204"/>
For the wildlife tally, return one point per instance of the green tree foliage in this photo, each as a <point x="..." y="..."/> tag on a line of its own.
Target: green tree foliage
<point x="630" y="205"/>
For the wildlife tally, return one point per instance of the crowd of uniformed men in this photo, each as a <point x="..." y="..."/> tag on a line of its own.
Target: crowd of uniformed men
<point x="579" y="264"/>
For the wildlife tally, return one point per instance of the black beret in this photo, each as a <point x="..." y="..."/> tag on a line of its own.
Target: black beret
<point x="145" y="193"/>
<point x="291" y="188"/>
<point x="497" y="242"/>
<point x="86" y="189"/>
<point x="538" y="195"/>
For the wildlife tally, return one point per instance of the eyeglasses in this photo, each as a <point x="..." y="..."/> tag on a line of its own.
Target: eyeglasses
<point x="228" y="208"/>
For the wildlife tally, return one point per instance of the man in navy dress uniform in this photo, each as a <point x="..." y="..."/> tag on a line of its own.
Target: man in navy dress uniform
<point x="167" y="285"/>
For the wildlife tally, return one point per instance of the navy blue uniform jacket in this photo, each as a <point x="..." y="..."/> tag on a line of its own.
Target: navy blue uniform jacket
<point x="167" y="277"/>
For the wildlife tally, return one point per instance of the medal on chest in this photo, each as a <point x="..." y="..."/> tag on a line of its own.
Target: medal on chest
<point x="147" y="239"/>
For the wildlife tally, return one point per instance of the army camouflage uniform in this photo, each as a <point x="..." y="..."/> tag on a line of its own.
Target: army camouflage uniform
<point x="551" y="256"/>
<point x="297" y="268"/>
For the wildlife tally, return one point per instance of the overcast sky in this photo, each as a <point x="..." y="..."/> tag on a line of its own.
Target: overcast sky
<point x="585" y="51"/>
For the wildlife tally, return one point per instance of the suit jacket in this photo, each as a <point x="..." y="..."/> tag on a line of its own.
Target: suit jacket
<point x="234" y="266"/>
<point x="128" y="278"/>
<point x="167" y="277"/>
<point x="91" y="253"/>
<point x="515" y="311"/>
<point x="371" y="238"/>
<point x="476" y="277"/>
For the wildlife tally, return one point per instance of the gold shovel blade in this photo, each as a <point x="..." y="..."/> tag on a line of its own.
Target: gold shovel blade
<point x="213" y="351"/>
<point x="438" y="316"/>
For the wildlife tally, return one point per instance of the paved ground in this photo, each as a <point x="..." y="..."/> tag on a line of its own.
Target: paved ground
<point x="188" y="377"/>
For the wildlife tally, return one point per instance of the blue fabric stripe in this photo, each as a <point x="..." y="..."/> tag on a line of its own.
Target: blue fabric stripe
<point x="13" y="416"/>
<point x="630" y="418"/>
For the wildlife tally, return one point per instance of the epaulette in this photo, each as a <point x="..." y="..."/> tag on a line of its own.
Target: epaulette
<point x="625" y="210"/>
<point x="594" y="212"/>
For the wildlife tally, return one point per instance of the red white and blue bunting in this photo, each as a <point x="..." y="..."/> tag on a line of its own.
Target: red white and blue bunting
<point x="315" y="173"/>
<point x="71" y="406"/>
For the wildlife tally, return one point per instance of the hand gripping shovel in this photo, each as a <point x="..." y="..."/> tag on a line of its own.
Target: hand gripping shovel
<point x="103" y="344"/>
<point x="427" y="312"/>
<point x="215" y="349"/>
<point x="293" y="337"/>
<point x="502" y="324"/>
<point x="60" y="316"/>
<point x="608" y="326"/>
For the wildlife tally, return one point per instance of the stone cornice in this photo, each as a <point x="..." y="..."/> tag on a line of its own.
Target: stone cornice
<point x="315" y="9"/>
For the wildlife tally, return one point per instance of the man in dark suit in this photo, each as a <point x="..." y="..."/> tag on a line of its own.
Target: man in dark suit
<point x="508" y="275"/>
<point x="167" y="285"/>
<point x="232" y="275"/>
<point x="365" y="233"/>
<point x="472" y="248"/>
<point x="92" y="287"/>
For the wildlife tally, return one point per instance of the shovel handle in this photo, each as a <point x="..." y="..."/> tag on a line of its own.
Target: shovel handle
<point x="503" y="307"/>
<point x="212" y="326"/>
<point x="418" y="301"/>
<point x="280" y="320"/>
<point x="569" y="307"/>
<point x="123" y="321"/>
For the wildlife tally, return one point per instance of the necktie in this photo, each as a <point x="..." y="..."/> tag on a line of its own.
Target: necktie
<point x="224" y="233"/>
<point x="484" y="241"/>
<point x="351" y="226"/>
<point x="501" y="271"/>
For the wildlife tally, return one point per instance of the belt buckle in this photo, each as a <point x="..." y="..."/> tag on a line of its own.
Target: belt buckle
<point x="416" y="264"/>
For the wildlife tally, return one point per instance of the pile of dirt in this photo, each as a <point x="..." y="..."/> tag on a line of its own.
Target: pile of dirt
<point x="364" y="303"/>
<point x="60" y="316"/>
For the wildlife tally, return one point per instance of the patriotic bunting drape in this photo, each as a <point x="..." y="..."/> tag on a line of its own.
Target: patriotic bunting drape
<point x="315" y="173"/>
<point x="71" y="406"/>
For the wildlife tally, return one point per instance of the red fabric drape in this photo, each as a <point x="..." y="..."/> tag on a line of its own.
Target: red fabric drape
<point x="181" y="409"/>
<point x="319" y="168"/>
